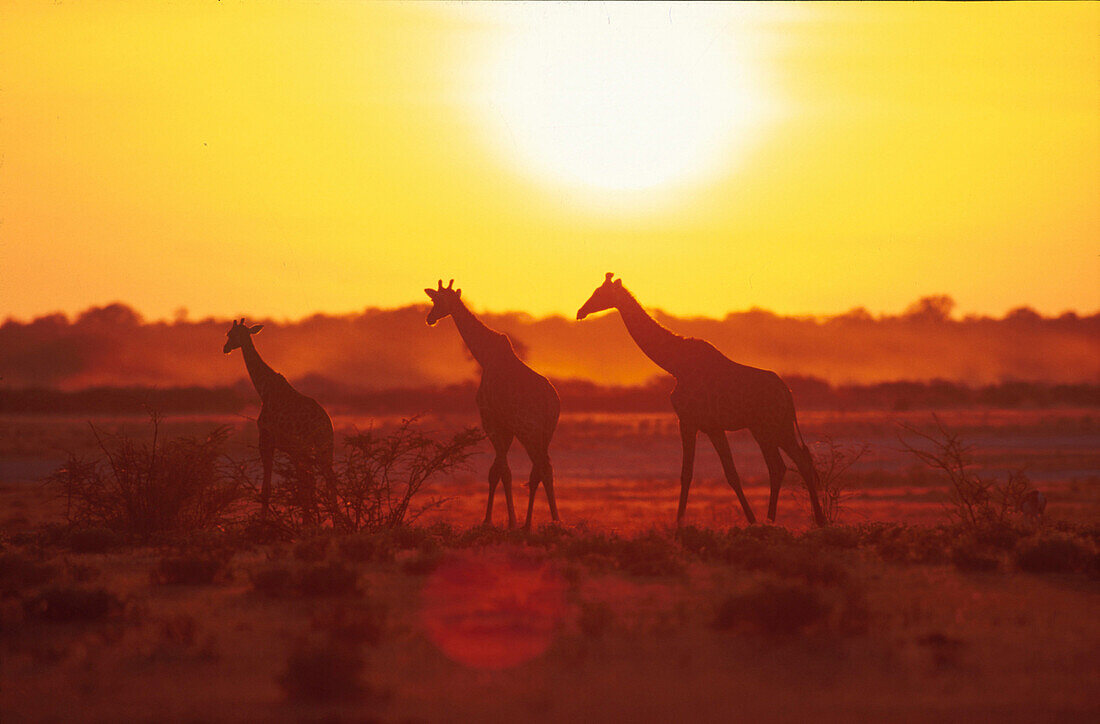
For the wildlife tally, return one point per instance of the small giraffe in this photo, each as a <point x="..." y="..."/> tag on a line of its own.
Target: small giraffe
<point x="514" y="402"/>
<point x="714" y="394"/>
<point x="288" y="420"/>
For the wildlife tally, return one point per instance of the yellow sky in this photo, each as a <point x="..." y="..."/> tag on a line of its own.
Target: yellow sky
<point x="279" y="159"/>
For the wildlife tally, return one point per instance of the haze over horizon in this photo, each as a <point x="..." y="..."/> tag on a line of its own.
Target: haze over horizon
<point x="282" y="160"/>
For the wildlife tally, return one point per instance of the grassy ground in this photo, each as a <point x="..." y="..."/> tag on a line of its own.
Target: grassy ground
<point x="891" y="617"/>
<point x="886" y="622"/>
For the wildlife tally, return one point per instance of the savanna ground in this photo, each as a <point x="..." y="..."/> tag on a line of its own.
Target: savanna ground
<point x="898" y="613"/>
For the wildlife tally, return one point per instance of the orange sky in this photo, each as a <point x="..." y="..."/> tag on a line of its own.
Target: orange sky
<point x="279" y="159"/>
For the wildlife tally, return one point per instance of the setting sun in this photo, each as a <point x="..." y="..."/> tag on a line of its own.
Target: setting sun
<point x="618" y="103"/>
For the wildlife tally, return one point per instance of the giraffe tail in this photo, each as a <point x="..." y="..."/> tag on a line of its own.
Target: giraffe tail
<point x="798" y="432"/>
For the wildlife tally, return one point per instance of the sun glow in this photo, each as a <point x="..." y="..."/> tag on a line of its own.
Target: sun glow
<point x="625" y="104"/>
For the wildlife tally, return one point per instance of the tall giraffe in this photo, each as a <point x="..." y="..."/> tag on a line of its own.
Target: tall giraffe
<point x="513" y="399"/>
<point x="714" y="394"/>
<point x="288" y="420"/>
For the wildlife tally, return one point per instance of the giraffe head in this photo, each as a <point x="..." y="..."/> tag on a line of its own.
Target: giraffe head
<point x="606" y="296"/>
<point x="237" y="334"/>
<point x="444" y="301"/>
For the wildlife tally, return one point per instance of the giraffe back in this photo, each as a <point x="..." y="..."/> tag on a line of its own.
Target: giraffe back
<point x="715" y="393"/>
<point x="515" y="398"/>
<point x="297" y="423"/>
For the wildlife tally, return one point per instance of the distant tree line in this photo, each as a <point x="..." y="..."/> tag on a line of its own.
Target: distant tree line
<point x="385" y="349"/>
<point x="576" y="396"/>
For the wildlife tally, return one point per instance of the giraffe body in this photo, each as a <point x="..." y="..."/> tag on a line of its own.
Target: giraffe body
<point x="514" y="402"/>
<point x="714" y="395"/>
<point x="289" y="421"/>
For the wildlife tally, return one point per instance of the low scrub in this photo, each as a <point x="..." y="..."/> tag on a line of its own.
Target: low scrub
<point x="142" y="489"/>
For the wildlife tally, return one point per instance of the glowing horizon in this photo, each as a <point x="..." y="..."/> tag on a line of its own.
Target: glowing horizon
<point x="285" y="160"/>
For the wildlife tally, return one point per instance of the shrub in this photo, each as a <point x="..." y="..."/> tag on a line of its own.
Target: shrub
<point x="777" y="609"/>
<point x="189" y="570"/>
<point x="1053" y="554"/>
<point x="72" y="604"/>
<point x="974" y="500"/>
<point x="323" y="671"/>
<point x="141" y="489"/>
<point x="376" y="481"/>
<point x="832" y="461"/>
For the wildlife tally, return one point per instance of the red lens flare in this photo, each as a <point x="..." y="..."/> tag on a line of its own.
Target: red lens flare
<point x="493" y="611"/>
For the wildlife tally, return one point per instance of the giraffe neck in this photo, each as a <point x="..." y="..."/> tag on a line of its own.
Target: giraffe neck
<point x="262" y="375"/>
<point x="484" y="343"/>
<point x="657" y="342"/>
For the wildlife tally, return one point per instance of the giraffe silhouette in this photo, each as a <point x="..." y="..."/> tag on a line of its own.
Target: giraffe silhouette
<point x="515" y="402"/>
<point x="714" y="394"/>
<point x="288" y="421"/>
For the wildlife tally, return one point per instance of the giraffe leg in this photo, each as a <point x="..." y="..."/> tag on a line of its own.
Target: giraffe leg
<point x="494" y="479"/>
<point x="506" y="481"/>
<point x="687" y="439"/>
<point x="532" y="487"/>
<point x="776" y="470"/>
<point x="800" y="454"/>
<point x="267" y="457"/>
<point x="548" y="486"/>
<point x="500" y="473"/>
<point x="304" y="476"/>
<point x="722" y="446"/>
